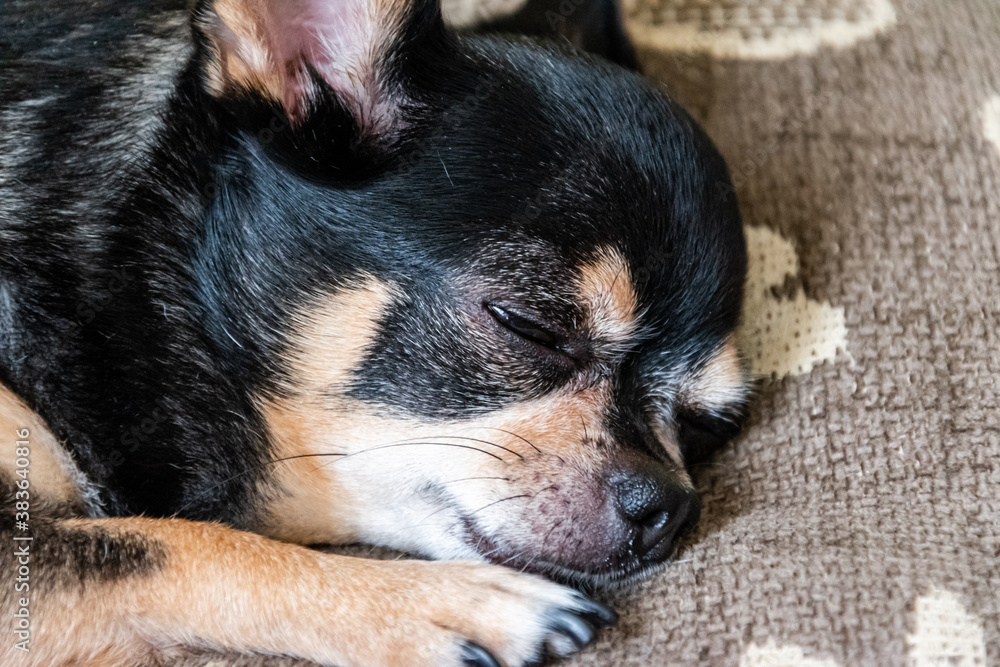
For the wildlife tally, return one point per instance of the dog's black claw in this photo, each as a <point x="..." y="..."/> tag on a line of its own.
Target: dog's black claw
<point x="573" y="628"/>
<point x="598" y="614"/>
<point x="474" y="655"/>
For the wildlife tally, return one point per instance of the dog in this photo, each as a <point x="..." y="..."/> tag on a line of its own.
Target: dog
<point x="277" y="273"/>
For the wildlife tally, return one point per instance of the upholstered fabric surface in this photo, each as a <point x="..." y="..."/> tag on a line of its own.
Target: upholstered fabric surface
<point x="857" y="519"/>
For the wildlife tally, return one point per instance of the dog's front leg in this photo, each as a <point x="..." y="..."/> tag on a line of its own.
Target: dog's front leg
<point x="109" y="591"/>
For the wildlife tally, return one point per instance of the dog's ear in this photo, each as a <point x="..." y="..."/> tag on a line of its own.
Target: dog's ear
<point x="294" y="53"/>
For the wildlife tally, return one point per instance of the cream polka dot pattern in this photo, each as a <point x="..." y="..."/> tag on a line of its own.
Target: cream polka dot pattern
<point x="784" y="336"/>
<point x="755" y="29"/>
<point x="945" y="633"/>
<point x="991" y="121"/>
<point x="464" y="13"/>
<point x="772" y="655"/>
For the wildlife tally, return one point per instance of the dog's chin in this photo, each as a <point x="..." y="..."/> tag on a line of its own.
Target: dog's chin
<point x="606" y="577"/>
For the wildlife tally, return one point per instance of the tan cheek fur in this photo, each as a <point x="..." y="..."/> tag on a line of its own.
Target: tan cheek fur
<point x="332" y="341"/>
<point x="52" y="473"/>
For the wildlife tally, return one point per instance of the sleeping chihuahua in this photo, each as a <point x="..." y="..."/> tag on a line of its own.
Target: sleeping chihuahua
<point x="289" y="272"/>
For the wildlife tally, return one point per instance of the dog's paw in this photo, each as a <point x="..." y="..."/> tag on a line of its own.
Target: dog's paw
<point x="455" y="614"/>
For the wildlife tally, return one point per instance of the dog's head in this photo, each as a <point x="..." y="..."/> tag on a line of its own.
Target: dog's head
<point x="487" y="290"/>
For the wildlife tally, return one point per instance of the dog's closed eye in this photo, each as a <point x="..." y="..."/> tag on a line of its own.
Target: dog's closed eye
<point x="525" y="328"/>
<point x="700" y="435"/>
<point x="554" y="343"/>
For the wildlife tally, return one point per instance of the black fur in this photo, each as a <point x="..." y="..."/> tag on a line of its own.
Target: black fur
<point x="141" y="313"/>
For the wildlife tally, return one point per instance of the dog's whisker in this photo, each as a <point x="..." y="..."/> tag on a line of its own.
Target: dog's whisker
<point x="466" y="479"/>
<point x="342" y="455"/>
<point x="515" y="557"/>
<point x="306" y="456"/>
<point x="497" y="502"/>
<point x="519" y="437"/>
<point x="336" y="455"/>
<point x="491" y="551"/>
<point x="538" y="553"/>
<point x="485" y="442"/>
<point x="541" y="548"/>
<point x="547" y="534"/>
<point x="424" y="443"/>
<point x="404" y="444"/>
<point x="469" y="516"/>
<point x="423" y="521"/>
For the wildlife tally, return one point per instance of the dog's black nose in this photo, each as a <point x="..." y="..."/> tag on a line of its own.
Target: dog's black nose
<point x="659" y="508"/>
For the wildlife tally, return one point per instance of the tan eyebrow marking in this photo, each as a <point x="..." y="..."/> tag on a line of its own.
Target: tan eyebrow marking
<point x="606" y="291"/>
<point x="720" y="383"/>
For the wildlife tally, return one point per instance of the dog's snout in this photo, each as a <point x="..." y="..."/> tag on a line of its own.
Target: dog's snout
<point x="658" y="508"/>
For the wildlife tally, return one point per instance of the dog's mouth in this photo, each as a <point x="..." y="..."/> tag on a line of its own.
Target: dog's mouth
<point x="604" y="530"/>
<point x="613" y="572"/>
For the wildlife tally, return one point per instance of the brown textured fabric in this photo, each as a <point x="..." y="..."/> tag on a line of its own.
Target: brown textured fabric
<point x="857" y="519"/>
